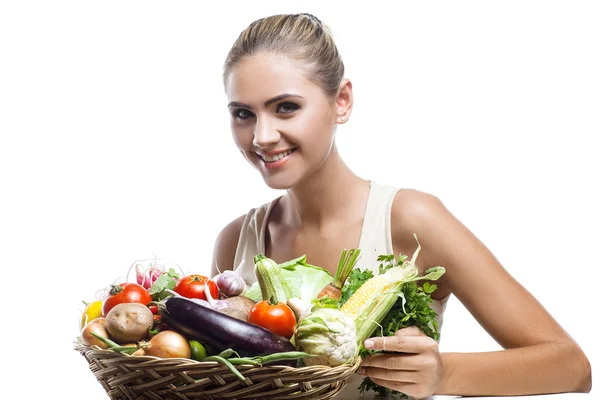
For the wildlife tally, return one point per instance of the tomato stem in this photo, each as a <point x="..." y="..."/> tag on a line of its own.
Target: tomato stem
<point x="114" y="289"/>
<point x="273" y="300"/>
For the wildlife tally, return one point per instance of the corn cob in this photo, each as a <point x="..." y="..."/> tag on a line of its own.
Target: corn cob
<point x="369" y="305"/>
<point x="366" y="295"/>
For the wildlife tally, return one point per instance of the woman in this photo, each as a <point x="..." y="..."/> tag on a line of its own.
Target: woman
<point x="284" y="79"/>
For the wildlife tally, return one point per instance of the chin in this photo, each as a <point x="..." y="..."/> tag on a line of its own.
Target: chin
<point x="278" y="184"/>
<point x="280" y="181"/>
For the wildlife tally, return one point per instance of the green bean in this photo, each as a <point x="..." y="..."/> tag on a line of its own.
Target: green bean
<point x="285" y="356"/>
<point x="114" y="346"/>
<point x="226" y="363"/>
<point x="228" y="352"/>
<point x="259" y="360"/>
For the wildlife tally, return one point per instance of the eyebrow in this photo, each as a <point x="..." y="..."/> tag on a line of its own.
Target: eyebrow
<point x="267" y="103"/>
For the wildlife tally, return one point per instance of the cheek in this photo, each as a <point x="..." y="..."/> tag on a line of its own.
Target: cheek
<point x="318" y="132"/>
<point x="241" y="137"/>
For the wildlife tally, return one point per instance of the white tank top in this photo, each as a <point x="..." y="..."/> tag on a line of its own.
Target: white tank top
<point x="375" y="238"/>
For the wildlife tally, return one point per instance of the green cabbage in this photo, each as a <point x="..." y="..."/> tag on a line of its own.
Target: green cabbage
<point x="305" y="280"/>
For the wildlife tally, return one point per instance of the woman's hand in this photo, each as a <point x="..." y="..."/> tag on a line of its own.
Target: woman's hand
<point x="412" y="364"/>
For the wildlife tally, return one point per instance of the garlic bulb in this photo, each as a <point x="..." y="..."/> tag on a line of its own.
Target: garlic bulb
<point x="230" y="283"/>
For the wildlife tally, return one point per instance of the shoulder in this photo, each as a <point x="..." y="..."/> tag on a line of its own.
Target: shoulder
<point x="413" y="208"/>
<point x="226" y="242"/>
<point x="423" y="214"/>
<point x="226" y="245"/>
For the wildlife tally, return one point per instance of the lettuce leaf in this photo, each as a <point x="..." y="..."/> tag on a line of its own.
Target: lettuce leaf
<point x="305" y="280"/>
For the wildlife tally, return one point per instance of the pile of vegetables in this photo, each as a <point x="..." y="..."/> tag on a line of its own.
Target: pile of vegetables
<point x="295" y="313"/>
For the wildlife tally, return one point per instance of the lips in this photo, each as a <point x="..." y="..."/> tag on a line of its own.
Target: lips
<point x="275" y="161"/>
<point x="270" y="158"/>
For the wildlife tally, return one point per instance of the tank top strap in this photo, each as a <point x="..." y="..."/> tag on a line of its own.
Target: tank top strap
<point x="252" y="240"/>
<point x="376" y="234"/>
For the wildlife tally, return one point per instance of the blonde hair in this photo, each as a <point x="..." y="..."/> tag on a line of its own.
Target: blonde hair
<point x="302" y="37"/>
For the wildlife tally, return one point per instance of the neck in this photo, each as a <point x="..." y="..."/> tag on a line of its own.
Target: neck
<point x="329" y="192"/>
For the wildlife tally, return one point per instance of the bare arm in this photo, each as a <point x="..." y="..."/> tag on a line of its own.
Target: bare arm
<point x="539" y="356"/>
<point x="225" y="247"/>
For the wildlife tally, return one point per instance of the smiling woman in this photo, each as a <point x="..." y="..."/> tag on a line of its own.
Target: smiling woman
<point x="278" y="132"/>
<point x="115" y="146"/>
<point x="284" y="80"/>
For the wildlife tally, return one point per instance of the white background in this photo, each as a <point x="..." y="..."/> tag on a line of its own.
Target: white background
<point x="115" y="146"/>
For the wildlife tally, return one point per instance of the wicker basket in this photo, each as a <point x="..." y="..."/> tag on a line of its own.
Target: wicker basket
<point x="152" y="378"/>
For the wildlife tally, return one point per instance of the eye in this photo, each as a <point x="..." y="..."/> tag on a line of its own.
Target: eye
<point x="287" y="107"/>
<point x="241" y="113"/>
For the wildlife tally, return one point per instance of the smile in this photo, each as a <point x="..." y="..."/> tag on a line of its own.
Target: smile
<point x="275" y="157"/>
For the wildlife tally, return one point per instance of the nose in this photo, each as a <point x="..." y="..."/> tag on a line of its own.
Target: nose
<point x="265" y="134"/>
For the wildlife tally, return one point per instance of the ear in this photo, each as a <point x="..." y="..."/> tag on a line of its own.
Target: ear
<point x="343" y="101"/>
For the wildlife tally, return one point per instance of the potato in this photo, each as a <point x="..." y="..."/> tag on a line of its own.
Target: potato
<point x="129" y="322"/>
<point x="241" y="303"/>
<point x="235" y="313"/>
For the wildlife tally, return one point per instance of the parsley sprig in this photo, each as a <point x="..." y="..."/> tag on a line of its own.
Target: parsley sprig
<point x="415" y="311"/>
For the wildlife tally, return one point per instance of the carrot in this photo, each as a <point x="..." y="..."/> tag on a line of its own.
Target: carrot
<point x="347" y="262"/>
<point x="331" y="291"/>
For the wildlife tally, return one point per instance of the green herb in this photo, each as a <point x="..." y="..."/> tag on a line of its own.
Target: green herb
<point x="411" y="309"/>
<point x="353" y="282"/>
<point x="389" y="261"/>
<point x="166" y="280"/>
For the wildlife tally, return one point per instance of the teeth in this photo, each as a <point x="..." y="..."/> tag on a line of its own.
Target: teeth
<point x="275" y="157"/>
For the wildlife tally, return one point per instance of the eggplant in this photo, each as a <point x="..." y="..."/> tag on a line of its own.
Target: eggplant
<point x="220" y="331"/>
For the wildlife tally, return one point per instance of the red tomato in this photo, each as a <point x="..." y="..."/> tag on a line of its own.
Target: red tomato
<point x="192" y="287"/>
<point x="279" y="318"/>
<point x="125" y="293"/>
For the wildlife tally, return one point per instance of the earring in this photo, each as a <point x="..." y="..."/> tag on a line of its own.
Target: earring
<point x="343" y="119"/>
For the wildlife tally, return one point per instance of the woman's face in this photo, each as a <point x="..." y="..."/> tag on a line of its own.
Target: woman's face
<point x="282" y="122"/>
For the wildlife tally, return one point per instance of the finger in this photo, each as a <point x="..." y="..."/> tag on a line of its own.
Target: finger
<point x="403" y="387"/>
<point x="402" y="343"/>
<point x="389" y="375"/>
<point x="410" y="331"/>
<point x="393" y="361"/>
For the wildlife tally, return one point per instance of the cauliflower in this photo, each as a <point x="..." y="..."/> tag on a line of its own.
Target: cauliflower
<point x="329" y="336"/>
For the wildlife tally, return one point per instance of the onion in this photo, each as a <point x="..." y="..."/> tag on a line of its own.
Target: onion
<point x="98" y="326"/>
<point x="168" y="344"/>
